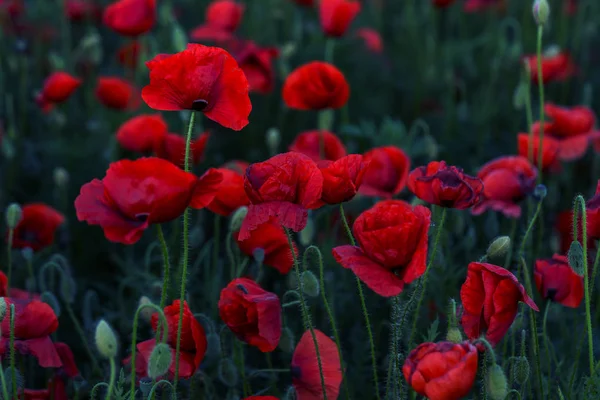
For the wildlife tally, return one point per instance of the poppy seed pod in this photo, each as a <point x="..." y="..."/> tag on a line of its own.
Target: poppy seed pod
<point x="499" y="247"/>
<point x="105" y="339"/>
<point x="496" y="385"/>
<point x="541" y="11"/>
<point x="160" y="360"/>
<point x="13" y="215"/>
<point x="310" y="284"/>
<point x="520" y="370"/>
<point x="235" y="223"/>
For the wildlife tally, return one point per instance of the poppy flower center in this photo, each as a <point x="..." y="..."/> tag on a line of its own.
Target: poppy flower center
<point x="142" y="217"/>
<point x="199" y="105"/>
<point x="551" y="294"/>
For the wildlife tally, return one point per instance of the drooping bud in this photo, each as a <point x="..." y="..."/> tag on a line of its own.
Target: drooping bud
<point x="310" y="284"/>
<point x="499" y="247"/>
<point x="541" y="11"/>
<point x="106" y="341"/>
<point x="228" y="373"/>
<point x="13" y="215"/>
<point x="61" y="177"/>
<point x="3" y="308"/>
<point x="146" y="312"/>
<point x="286" y="341"/>
<point x="160" y="360"/>
<point x="454" y="335"/>
<point x="306" y="235"/>
<point x="520" y="370"/>
<point x="575" y="257"/>
<point x="540" y="192"/>
<point x="50" y="299"/>
<point x="497" y="386"/>
<point x="235" y="222"/>
<point x="273" y="139"/>
<point x="520" y="96"/>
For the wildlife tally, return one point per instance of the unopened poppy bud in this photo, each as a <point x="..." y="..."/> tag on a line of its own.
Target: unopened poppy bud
<point x="228" y="373"/>
<point x="497" y="386"/>
<point x="146" y="386"/>
<point x="106" y="341"/>
<point x="259" y="255"/>
<point x="160" y="360"/>
<point x="213" y="348"/>
<point x="499" y="247"/>
<point x="50" y="299"/>
<point x="61" y="177"/>
<point x="540" y="192"/>
<point x="235" y="223"/>
<point x="326" y="119"/>
<point x="541" y="11"/>
<point x="454" y="335"/>
<point x="310" y="284"/>
<point x="520" y="96"/>
<point x="273" y="140"/>
<point x="306" y="235"/>
<point x="146" y="312"/>
<point x="2" y="308"/>
<point x="286" y="341"/>
<point x="575" y="257"/>
<point x="13" y="215"/>
<point x="520" y="370"/>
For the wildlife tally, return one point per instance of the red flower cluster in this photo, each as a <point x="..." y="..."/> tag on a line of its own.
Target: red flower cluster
<point x="556" y="281"/>
<point x="231" y="194"/>
<point x="342" y="178"/>
<point x="316" y="86"/>
<point x="387" y="173"/>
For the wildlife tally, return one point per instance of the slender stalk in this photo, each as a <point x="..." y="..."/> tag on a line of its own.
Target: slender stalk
<point x="239" y="350"/>
<point x="66" y="35"/>
<point x="83" y="337"/>
<point x="363" y="305"/>
<point x="393" y="356"/>
<point x="13" y="370"/>
<point x="529" y="116"/>
<point x="215" y="247"/>
<point x="166" y="266"/>
<point x="329" y="50"/>
<point x="111" y="382"/>
<point x="185" y="255"/>
<point x="9" y="242"/>
<point x="29" y="263"/>
<point x="540" y="34"/>
<point x="545" y="335"/>
<point x="530" y="228"/>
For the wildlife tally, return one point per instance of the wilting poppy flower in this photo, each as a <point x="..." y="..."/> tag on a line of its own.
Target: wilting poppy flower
<point x="172" y="147"/>
<point x="129" y="54"/>
<point x="34" y="322"/>
<point x="257" y="64"/>
<point x="200" y="78"/>
<point x="79" y="10"/>
<point x="555" y="68"/>
<point x="442" y="3"/>
<point x="231" y="194"/>
<point x="141" y="133"/>
<point x="342" y="178"/>
<point x="490" y="297"/>
<point x="443" y="370"/>
<point x="306" y="377"/>
<point x="337" y="15"/>
<point x="387" y="172"/>
<point x="135" y="194"/>
<point x="58" y="87"/>
<point x="556" y="280"/>
<point x="312" y="143"/>
<point x="481" y="5"/>
<point x="252" y="313"/>
<point x="378" y="261"/>
<point x="372" y="39"/>
<point x="285" y="187"/>
<point x="117" y="93"/>
<point x="445" y="186"/>
<point x="272" y="240"/>
<point x="130" y="17"/>
<point x="192" y="346"/>
<point x="316" y="86"/>
<point x="506" y="181"/>
<point x="37" y="227"/>
<point x="550" y="150"/>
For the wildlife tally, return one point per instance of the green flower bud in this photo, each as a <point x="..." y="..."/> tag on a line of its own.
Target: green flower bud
<point x="2" y="308"/>
<point x="273" y="140"/>
<point x="306" y="235"/>
<point x="541" y="11"/>
<point x="228" y="373"/>
<point x="61" y="177"/>
<point x="454" y="335"/>
<point x="520" y="96"/>
<point x="499" y="247"/>
<point x="235" y="222"/>
<point x="575" y="257"/>
<point x="160" y="360"/>
<point x="147" y="312"/>
<point x="287" y="341"/>
<point x="310" y="284"/>
<point x="497" y="386"/>
<point x="13" y="215"/>
<point x="106" y="341"/>
<point x="520" y="370"/>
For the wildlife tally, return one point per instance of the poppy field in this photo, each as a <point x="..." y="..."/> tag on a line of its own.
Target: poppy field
<point x="299" y="199"/>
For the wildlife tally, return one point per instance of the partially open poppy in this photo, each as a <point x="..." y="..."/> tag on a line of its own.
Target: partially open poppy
<point x="550" y="150"/>
<point x="377" y="260"/>
<point x="556" y="281"/>
<point x="337" y="15"/>
<point x="37" y="227"/>
<point x="231" y="194"/>
<point x="135" y="194"/>
<point x="58" y="87"/>
<point x="117" y="93"/>
<point x="305" y="367"/>
<point x="342" y="178"/>
<point x="130" y="17"/>
<point x="319" y="145"/>
<point x="142" y="132"/>
<point x="556" y="67"/>
<point x="387" y="172"/>
<point x="172" y="147"/>
<point x="257" y="64"/>
<point x="316" y="86"/>
<point x="372" y="39"/>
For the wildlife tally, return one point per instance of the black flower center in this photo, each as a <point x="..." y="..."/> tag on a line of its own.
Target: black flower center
<point x="551" y="293"/>
<point x="242" y="288"/>
<point x="199" y="105"/>
<point x="142" y="217"/>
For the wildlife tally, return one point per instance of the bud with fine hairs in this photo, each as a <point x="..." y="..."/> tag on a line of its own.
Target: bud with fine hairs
<point x="236" y="219"/>
<point x="496" y="384"/>
<point x="160" y="360"/>
<point x="13" y="215"/>
<point x="541" y="11"/>
<point x="146" y="312"/>
<point x="106" y="340"/>
<point x="499" y="247"/>
<point x="310" y="284"/>
<point x="273" y="140"/>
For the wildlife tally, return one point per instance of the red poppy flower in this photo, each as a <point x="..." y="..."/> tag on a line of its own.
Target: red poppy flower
<point x="551" y="148"/>
<point x="231" y="194"/>
<point x="342" y="178"/>
<point x="309" y="143"/>
<point x="442" y="3"/>
<point x="564" y="226"/>
<point x="445" y="186"/>
<point x="387" y="173"/>
<point x="200" y="78"/>
<point x="117" y="93"/>
<point x="129" y="54"/>
<point x="257" y="64"/>
<point x="316" y="86"/>
<point x="225" y="14"/>
<point x="252" y="314"/>
<point x="272" y="240"/>
<point x="442" y="371"/>
<point x="506" y="181"/>
<point x="337" y="15"/>
<point x="556" y="280"/>
<point x="69" y="368"/>
<point x="372" y="39"/>
<point x="130" y="17"/>
<point x="135" y="194"/>
<point x="482" y="5"/>
<point x="555" y="68"/>
<point x="141" y="133"/>
<point x="58" y="87"/>
<point x="79" y="10"/>
<point x="34" y="322"/>
<point x="284" y="187"/>
<point x="37" y="227"/>
<point x="490" y="297"/>
<point x="305" y="367"/>
<point x="378" y="261"/>
<point x="172" y="147"/>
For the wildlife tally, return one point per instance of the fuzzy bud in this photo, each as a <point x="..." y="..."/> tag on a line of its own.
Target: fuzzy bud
<point x="454" y="335"/>
<point x="499" y="247"/>
<point x="106" y="341"/>
<point x="306" y="235"/>
<point x="160" y="360"/>
<point x="147" y="312"/>
<point x="235" y="222"/>
<point x="228" y="373"/>
<point x="575" y="257"/>
<point x="541" y="11"/>
<point x="13" y="215"/>
<point x="286" y="341"/>
<point x="61" y="177"/>
<point x="497" y="386"/>
<point x="540" y="192"/>
<point x="259" y="255"/>
<point x="520" y="370"/>
<point x="273" y="140"/>
<point x="3" y="308"/>
<point x="520" y="96"/>
<point x="310" y="284"/>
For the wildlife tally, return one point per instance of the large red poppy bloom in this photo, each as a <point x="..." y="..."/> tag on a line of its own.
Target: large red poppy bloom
<point x="387" y="172"/>
<point x="172" y="147"/>
<point x="337" y="15"/>
<point x="200" y="78"/>
<point x="555" y="68"/>
<point x="550" y="150"/>
<point x="378" y="261"/>
<point x="57" y="88"/>
<point x="342" y="178"/>
<point x="117" y="93"/>
<point x="309" y="143"/>
<point x="37" y="227"/>
<point x="135" y="194"/>
<point x="272" y="240"/>
<point x="141" y="133"/>
<point x="285" y="187"/>
<point x="130" y="17"/>
<point x="490" y="297"/>
<point x="316" y="86"/>
<point x="556" y="281"/>
<point x="372" y="39"/>
<point x="305" y="367"/>
<point x="442" y="371"/>
<point x="34" y="322"/>
<point x="231" y="194"/>
<point x="506" y="181"/>
<point x="257" y="64"/>
<point x="445" y="186"/>
<point x="252" y="313"/>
